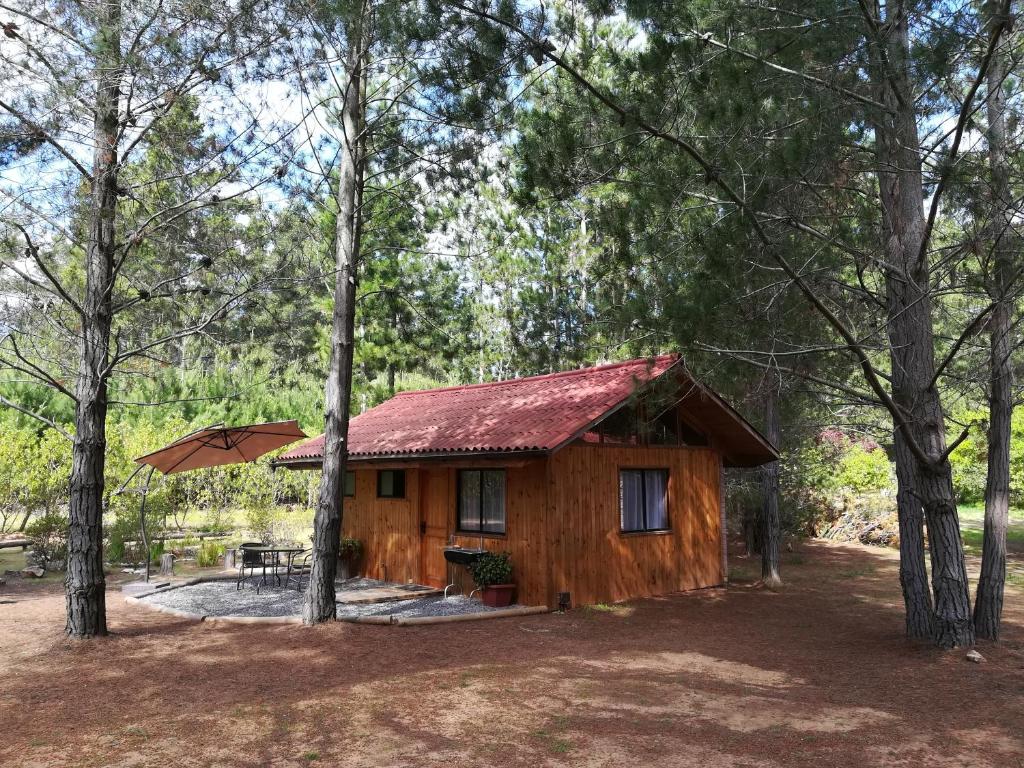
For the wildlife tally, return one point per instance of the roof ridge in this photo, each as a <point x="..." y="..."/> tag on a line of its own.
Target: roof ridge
<point x="544" y="376"/>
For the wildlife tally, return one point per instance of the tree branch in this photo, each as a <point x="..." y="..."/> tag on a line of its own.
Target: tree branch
<point x="37" y="416"/>
<point x="546" y="49"/>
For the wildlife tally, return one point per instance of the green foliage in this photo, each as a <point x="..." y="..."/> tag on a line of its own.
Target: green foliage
<point x="260" y="520"/>
<point x="350" y="549"/>
<point x="209" y="554"/>
<point x="34" y="469"/>
<point x="156" y="549"/>
<point x="492" y="568"/>
<point x="49" y="540"/>
<point x="863" y="470"/>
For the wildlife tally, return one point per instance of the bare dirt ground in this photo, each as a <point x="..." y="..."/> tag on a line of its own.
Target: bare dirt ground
<point x="815" y="674"/>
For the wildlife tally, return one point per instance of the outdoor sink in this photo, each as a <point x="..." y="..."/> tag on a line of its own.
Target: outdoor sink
<point x="462" y="555"/>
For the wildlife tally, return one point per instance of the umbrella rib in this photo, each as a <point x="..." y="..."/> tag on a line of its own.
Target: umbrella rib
<point x="185" y="458"/>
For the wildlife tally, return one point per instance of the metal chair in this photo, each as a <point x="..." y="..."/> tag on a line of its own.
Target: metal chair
<point x="302" y="569"/>
<point x="252" y="560"/>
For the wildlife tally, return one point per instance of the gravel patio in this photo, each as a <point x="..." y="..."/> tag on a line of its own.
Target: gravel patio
<point x="356" y="598"/>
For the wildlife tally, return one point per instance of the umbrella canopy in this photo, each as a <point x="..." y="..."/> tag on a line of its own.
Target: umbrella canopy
<point x="217" y="445"/>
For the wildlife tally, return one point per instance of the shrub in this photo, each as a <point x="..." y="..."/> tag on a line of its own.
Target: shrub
<point x="49" y="534"/>
<point x="863" y="470"/>
<point x="492" y="568"/>
<point x="350" y="549"/>
<point x="156" y="549"/>
<point x="209" y="554"/>
<point x="260" y="519"/>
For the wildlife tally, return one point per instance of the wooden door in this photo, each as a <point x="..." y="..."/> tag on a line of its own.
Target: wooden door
<point x="433" y="526"/>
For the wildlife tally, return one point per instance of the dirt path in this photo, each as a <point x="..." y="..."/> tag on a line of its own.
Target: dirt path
<point x="816" y="674"/>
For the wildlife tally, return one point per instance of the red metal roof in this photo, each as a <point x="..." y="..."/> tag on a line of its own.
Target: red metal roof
<point x="538" y="413"/>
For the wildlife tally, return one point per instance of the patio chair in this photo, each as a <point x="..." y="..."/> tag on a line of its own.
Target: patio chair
<point x="252" y="560"/>
<point x="302" y="568"/>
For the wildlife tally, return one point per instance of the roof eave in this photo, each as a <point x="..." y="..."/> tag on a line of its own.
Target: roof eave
<point x="312" y="462"/>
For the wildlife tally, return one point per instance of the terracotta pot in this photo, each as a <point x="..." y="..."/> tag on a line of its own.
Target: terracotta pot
<point x="498" y="595"/>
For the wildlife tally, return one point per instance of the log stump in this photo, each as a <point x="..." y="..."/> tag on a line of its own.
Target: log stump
<point x="167" y="564"/>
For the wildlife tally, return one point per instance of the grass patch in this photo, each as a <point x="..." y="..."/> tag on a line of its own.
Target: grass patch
<point x="309" y="757"/>
<point x="553" y="739"/>
<point x="974" y="537"/>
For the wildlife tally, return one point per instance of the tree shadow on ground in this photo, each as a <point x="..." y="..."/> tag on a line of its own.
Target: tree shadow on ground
<point x="815" y="673"/>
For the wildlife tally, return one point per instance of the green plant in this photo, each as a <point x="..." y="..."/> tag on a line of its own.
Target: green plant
<point x="209" y="554"/>
<point x="260" y="519"/>
<point x="350" y="549"/>
<point x="862" y="470"/>
<point x="492" y="568"/>
<point x="156" y="548"/>
<point x="49" y="541"/>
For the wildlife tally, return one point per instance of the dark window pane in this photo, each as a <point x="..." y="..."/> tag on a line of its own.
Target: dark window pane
<point x="469" y="500"/>
<point x="391" y="483"/>
<point x="493" y="500"/>
<point x="631" y="500"/>
<point x="350" y="483"/>
<point x="656" y="493"/>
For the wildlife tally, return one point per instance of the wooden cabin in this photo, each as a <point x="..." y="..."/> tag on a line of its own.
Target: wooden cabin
<point x="604" y="483"/>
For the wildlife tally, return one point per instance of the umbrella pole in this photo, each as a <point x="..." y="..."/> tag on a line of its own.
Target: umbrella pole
<point x="142" y="519"/>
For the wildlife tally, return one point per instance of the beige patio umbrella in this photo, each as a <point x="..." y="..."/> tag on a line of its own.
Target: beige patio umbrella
<point x="218" y="445"/>
<point x="213" y="446"/>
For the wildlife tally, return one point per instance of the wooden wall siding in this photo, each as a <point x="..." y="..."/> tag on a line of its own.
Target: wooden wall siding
<point x="593" y="561"/>
<point x="390" y="532"/>
<point x="525" y="531"/>
<point x="388" y="528"/>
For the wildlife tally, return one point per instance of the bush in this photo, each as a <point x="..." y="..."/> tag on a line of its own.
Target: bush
<point x="350" y="549"/>
<point x="260" y="519"/>
<point x="863" y="470"/>
<point x="156" y="549"/>
<point x="49" y="534"/>
<point x="209" y="554"/>
<point x="492" y="568"/>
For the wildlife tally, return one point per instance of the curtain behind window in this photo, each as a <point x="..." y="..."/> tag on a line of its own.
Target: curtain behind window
<point x="494" y="501"/>
<point x="469" y="501"/>
<point x="631" y="500"/>
<point x="656" y="482"/>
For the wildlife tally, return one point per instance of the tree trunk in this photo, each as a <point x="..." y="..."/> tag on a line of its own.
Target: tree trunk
<point x="750" y="523"/>
<point x="988" y="605"/>
<point x="770" y="523"/>
<point x="84" y="584"/>
<point x="912" y="339"/>
<point x="319" y="603"/>
<point x="917" y="595"/>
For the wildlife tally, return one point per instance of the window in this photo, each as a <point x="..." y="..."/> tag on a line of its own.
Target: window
<point x="482" y="500"/>
<point x="643" y="500"/>
<point x="391" y="484"/>
<point x="350" y="483"/>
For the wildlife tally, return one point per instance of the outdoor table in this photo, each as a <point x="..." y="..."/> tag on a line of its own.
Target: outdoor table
<point x="273" y="550"/>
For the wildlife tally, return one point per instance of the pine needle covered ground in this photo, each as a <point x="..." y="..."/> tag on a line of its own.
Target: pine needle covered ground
<point x="814" y="674"/>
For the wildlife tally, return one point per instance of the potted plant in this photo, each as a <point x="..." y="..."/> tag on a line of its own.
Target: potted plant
<point x="492" y="573"/>
<point x="349" y="554"/>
